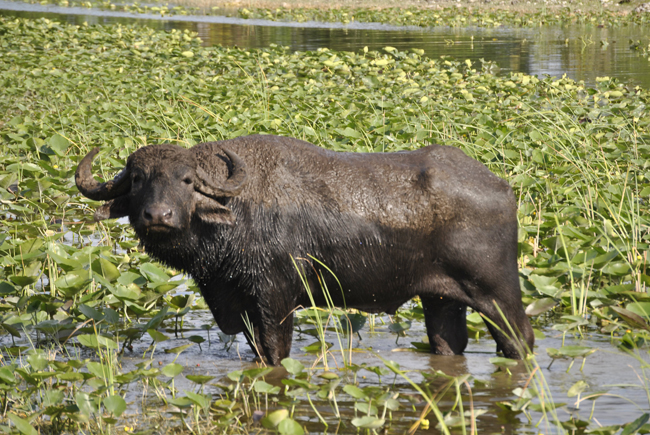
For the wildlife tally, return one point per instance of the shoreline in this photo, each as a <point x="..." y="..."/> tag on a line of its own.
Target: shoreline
<point x="411" y="13"/>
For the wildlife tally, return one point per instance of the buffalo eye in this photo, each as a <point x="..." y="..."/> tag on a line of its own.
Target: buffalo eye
<point x="187" y="180"/>
<point x="136" y="178"/>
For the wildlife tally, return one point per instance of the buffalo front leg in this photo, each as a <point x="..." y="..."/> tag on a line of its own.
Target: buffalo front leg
<point x="271" y="337"/>
<point x="509" y="326"/>
<point x="446" y="325"/>
<point x="253" y="339"/>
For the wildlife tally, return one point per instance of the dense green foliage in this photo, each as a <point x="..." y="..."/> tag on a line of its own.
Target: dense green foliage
<point x="453" y="17"/>
<point x="577" y="157"/>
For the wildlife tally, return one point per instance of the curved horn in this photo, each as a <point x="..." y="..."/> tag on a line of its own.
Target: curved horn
<point x="233" y="185"/>
<point x="92" y="189"/>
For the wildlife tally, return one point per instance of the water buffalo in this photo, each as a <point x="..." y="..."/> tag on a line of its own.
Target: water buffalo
<point x="432" y="223"/>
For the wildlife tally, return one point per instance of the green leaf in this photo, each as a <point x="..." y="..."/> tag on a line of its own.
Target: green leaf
<point x="181" y="402"/>
<point x="570" y="352"/>
<point x="272" y="420"/>
<point x="617" y="268"/>
<point x="199" y="379"/>
<point x="316" y="347"/>
<point x="127" y="278"/>
<point x="236" y="376"/>
<point x="503" y="362"/>
<point x="632" y="319"/>
<point x="157" y="337"/>
<point x="328" y="375"/>
<point x="604" y="430"/>
<point x="37" y="359"/>
<point x="73" y="281"/>
<point x="540" y="306"/>
<point x="640" y="308"/>
<point x="365" y="408"/>
<point x="7" y="376"/>
<point x="153" y="273"/>
<point x="265" y="388"/>
<point x="105" y="269"/>
<point x="348" y="132"/>
<point x="23" y="281"/>
<point x="23" y="425"/>
<point x="201" y="400"/>
<point x="129" y="293"/>
<point x="85" y="404"/>
<point x="352" y="322"/>
<point x="292" y="366"/>
<point x="257" y="372"/>
<point x="289" y="426"/>
<point x="368" y="422"/>
<point x="172" y="370"/>
<point x="636" y="425"/>
<point x="545" y="284"/>
<point x="97" y="341"/>
<point x="70" y="377"/>
<point x="179" y="349"/>
<point x="91" y="313"/>
<point x="577" y="388"/>
<point x="52" y="397"/>
<point x="59" y="144"/>
<point x="115" y="404"/>
<point x="6" y="288"/>
<point x="99" y="370"/>
<point x="157" y="320"/>
<point x="355" y="392"/>
<point x="10" y="329"/>
<point x="196" y="339"/>
<point x="398" y="327"/>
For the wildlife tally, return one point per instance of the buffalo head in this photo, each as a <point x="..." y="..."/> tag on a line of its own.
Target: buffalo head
<point x="163" y="187"/>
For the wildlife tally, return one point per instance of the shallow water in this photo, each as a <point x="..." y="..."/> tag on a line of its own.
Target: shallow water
<point x="603" y="370"/>
<point x="582" y="53"/>
<point x="607" y="370"/>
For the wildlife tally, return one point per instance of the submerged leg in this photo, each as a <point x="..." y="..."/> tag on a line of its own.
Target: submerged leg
<point x="483" y="261"/>
<point x="271" y="338"/>
<point x="446" y="324"/>
<point x="508" y="325"/>
<point x="254" y="342"/>
<point x="275" y="335"/>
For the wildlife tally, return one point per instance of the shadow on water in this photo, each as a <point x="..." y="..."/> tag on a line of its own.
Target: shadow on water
<point x="582" y="53"/>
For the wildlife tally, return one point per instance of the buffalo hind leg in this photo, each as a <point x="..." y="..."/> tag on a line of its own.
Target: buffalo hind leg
<point x="446" y="325"/>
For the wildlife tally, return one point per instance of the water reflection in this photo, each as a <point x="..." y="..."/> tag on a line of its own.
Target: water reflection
<point x="582" y="53"/>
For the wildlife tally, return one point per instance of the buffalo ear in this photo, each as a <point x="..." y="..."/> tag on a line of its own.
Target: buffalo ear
<point x="212" y="212"/>
<point x="115" y="208"/>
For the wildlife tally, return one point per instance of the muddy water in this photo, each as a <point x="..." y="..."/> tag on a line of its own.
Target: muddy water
<point x="582" y="53"/>
<point x="607" y="369"/>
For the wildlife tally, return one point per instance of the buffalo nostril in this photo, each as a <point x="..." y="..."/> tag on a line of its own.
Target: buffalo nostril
<point x="157" y="215"/>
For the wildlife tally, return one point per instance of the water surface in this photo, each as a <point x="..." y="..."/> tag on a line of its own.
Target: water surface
<point x="582" y="53"/>
<point x="607" y="370"/>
